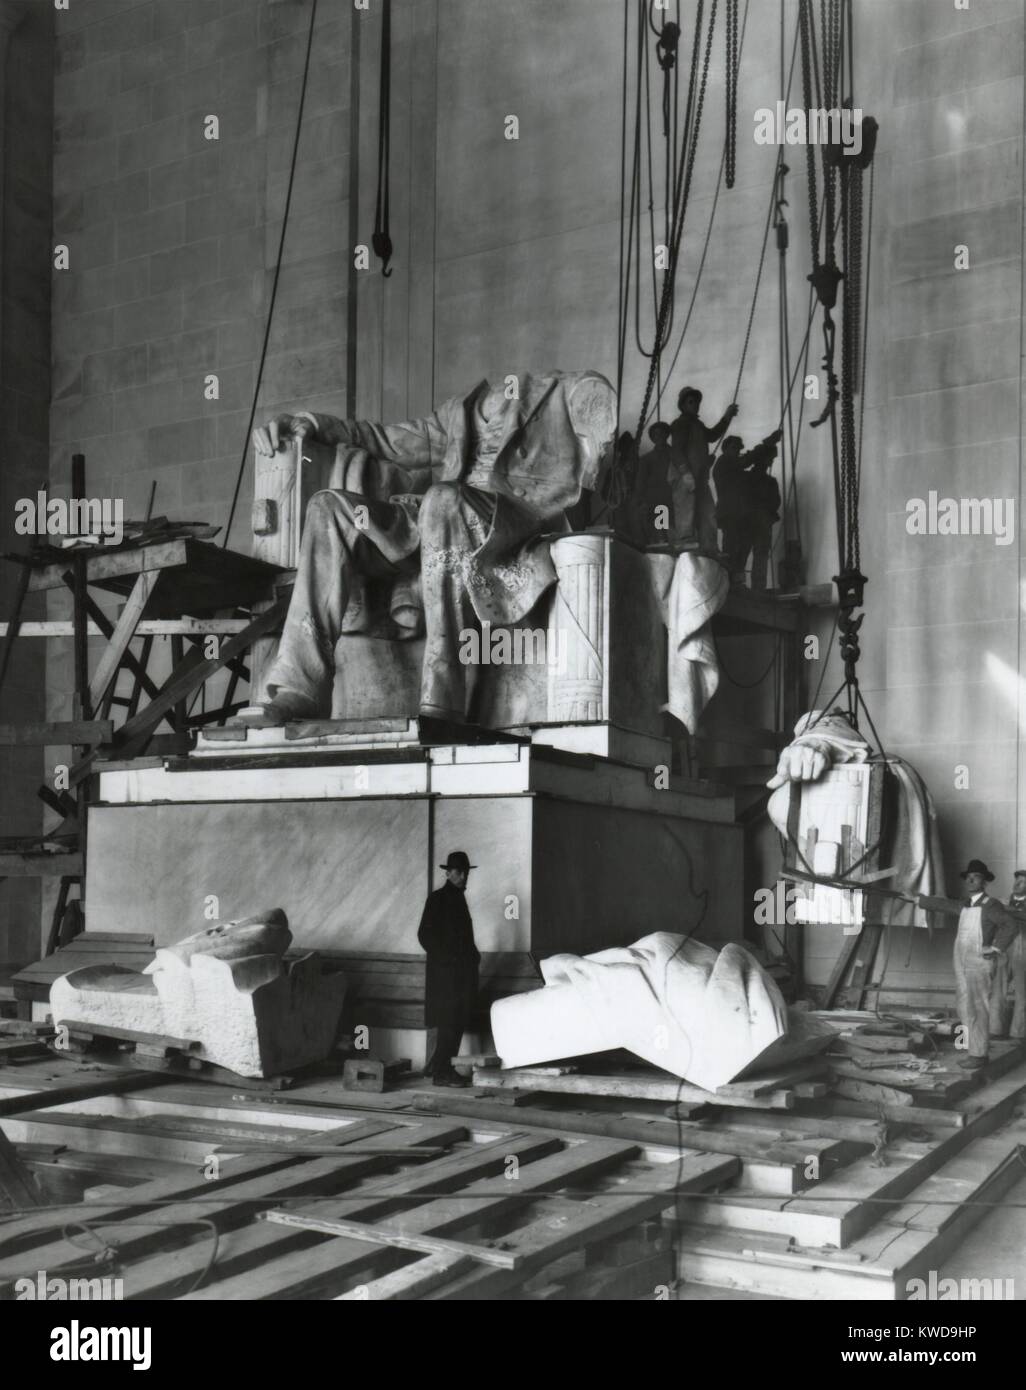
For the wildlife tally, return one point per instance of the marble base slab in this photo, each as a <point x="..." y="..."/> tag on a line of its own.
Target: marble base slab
<point x="574" y="854"/>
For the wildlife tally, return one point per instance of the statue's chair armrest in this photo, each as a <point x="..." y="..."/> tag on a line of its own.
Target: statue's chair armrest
<point x="283" y="486"/>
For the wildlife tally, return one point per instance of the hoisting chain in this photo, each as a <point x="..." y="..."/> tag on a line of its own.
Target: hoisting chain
<point x="731" y="79"/>
<point x="666" y="53"/>
<point x="620" y="476"/>
<point x="691" y="147"/>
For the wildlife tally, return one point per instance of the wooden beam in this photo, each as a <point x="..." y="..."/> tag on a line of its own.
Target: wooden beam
<point x="106" y="627"/>
<point x="63" y="731"/>
<point x="41" y="865"/>
<point x="412" y="1281"/>
<point x="147" y="627"/>
<point x="665" y="1088"/>
<point x="849" y="945"/>
<point x="228" y="1201"/>
<point x="194" y="670"/>
<point x="110" y="661"/>
<point x="325" y="1268"/>
<point x="385" y="1234"/>
<point x="112" y="1084"/>
<point x="165" y="1273"/>
<point x="670" y="1133"/>
<point x="572" y="1226"/>
<point x="16" y="1182"/>
<point x="121" y="562"/>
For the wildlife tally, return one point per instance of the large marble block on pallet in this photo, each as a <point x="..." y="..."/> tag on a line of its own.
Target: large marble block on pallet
<point x="225" y="994"/>
<point x="574" y="853"/>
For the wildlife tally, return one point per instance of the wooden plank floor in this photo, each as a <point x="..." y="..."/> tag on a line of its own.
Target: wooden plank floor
<point x="599" y="1213"/>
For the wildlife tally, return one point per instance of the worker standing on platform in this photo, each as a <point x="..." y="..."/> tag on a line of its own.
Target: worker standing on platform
<point x="986" y="930"/>
<point x="446" y="933"/>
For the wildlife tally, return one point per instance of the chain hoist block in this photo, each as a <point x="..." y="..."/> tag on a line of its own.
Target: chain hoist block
<point x="666" y="45"/>
<point x="850" y="589"/>
<point x="825" y="280"/>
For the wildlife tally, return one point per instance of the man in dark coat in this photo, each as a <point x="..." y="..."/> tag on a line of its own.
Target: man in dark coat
<point x="765" y="494"/>
<point x="446" y="933"/>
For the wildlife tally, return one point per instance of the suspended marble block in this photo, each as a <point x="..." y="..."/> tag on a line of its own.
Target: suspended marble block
<point x="574" y="853"/>
<point x="255" y="1014"/>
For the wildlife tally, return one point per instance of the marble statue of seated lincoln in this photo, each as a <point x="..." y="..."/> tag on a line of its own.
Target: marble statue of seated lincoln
<point x="444" y="515"/>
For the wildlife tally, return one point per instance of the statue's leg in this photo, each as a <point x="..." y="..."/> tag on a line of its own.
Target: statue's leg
<point x="301" y="677"/>
<point x="450" y="530"/>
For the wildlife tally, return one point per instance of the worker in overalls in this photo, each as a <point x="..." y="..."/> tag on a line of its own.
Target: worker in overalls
<point x="986" y="931"/>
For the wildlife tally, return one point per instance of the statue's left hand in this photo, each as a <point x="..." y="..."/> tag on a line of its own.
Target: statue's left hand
<point x="269" y="438"/>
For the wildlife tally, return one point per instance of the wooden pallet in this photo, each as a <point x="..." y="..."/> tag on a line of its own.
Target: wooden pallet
<point x="866" y="1231"/>
<point x="771" y="1091"/>
<point x="399" y="1203"/>
<point x="469" y="1219"/>
<point x="911" y="1241"/>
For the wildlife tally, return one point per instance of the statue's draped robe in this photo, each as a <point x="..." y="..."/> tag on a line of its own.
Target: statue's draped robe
<point x="474" y="495"/>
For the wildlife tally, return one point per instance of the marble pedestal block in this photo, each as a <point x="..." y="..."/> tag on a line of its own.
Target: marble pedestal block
<point x="574" y="853"/>
<point x="255" y="1015"/>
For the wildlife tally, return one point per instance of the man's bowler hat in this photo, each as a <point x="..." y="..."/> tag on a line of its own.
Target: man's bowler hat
<point x="977" y="866"/>
<point x="458" y="860"/>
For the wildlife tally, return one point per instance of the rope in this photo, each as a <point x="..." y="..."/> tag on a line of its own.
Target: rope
<point x="705" y="249"/>
<point x="748" y="685"/>
<point x="693" y="124"/>
<point x="617" y="483"/>
<point x="277" y="272"/>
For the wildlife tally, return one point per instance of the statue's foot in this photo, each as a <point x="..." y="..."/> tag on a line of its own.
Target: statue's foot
<point x="285" y="706"/>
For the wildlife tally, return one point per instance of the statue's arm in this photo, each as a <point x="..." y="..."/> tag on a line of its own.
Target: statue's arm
<point x="411" y="444"/>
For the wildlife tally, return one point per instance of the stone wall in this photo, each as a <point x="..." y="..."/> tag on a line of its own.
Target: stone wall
<point x="26" y="125"/>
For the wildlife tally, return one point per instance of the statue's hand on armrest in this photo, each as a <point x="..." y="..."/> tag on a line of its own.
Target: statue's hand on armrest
<point x="269" y="438"/>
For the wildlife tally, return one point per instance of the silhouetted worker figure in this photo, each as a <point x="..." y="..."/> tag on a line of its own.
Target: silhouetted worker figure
<point x="446" y="933"/>
<point x="733" y="509"/>
<point x="655" y="476"/>
<point x="747" y="503"/>
<point x="694" y="512"/>
<point x="765" y="501"/>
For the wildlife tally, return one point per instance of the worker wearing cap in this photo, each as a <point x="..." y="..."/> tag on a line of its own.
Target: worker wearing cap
<point x="986" y="930"/>
<point x="446" y="933"/>
<point x="689" y="484"/>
